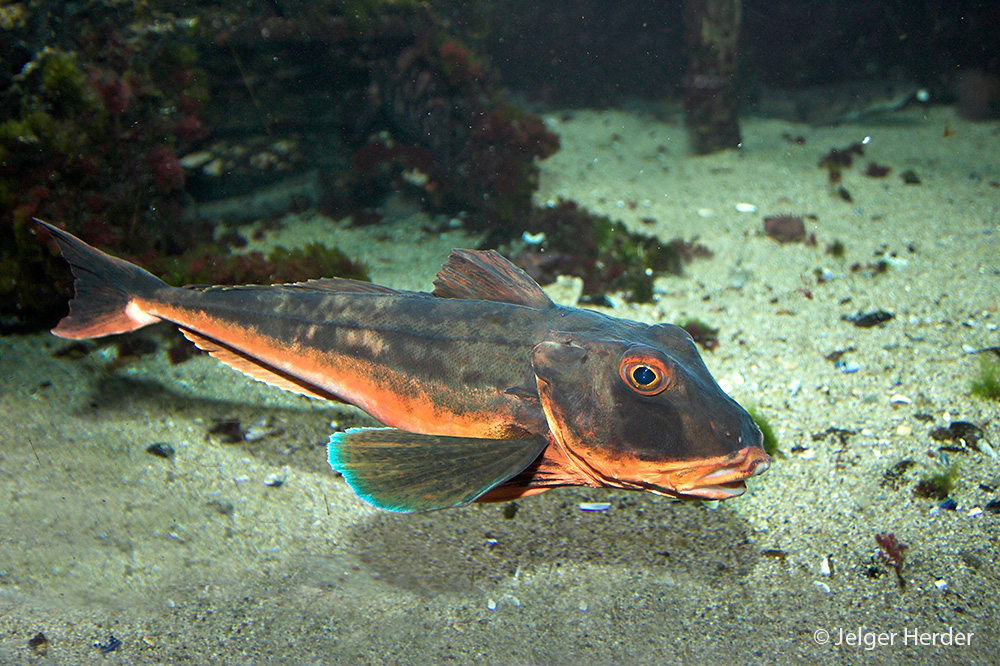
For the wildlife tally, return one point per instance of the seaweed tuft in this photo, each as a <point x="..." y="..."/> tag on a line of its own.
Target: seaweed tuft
<point x="986" y="383"/>
<point x="770" y="439"/>
<point x="939" y="481"/>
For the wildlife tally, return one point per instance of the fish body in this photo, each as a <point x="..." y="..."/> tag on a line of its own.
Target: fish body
<point x="490" y="390"/>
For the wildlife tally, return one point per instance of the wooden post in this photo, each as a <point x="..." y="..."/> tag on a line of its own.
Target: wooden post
<point x="712" y="32"/>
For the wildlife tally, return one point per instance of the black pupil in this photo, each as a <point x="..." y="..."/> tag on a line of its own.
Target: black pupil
<point x="643" y="376"/>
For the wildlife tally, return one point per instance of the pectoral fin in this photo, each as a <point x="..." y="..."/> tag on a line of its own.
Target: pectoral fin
<point x="403" y="471"/>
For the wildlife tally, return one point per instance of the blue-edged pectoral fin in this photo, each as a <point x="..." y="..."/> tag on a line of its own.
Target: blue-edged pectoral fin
<point x="403" y="471"/>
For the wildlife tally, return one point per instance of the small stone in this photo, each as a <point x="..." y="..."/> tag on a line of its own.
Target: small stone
<point x="492" y="605"/>
<point x="746" y="208"/>
<point x="160" y="450"/>
<point x="899" y="399"/>
<point x="785" y="228"/>
<point x="975" y="511"/>
<point x="869" y="319"/>
<point x="904" y="430"/>
<point x="215" y="168"/>
<point x="196" y="159"/>
<point x="595" y="506"/>
<point x="39" y="644"/>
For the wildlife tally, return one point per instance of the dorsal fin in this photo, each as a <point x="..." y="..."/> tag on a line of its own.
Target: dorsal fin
<point x="487" y="276"/>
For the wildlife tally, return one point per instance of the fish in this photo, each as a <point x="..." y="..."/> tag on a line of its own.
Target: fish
<point x="486" y="390"/>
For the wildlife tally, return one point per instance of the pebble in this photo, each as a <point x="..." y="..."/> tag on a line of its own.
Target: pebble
<point x="899" y="399"/>
<point x="492" y="605"/>
<point x="196" y="159"/>
<point x="941" y="584"/>
<point x="595" y="506"/>
<point x="975" y="511"/>
<point x="847" y="367"/>
<point x="160" y="450"/>
<point x="746" y="207"/>
<point x="215" y="168"/>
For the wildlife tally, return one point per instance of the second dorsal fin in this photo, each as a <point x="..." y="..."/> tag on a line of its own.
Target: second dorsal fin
<point x="485" y="275"/>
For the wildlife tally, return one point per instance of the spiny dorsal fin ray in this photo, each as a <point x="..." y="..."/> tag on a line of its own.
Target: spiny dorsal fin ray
<point x="256" y="369"/>
<point x="487" y="276"/>
<point x="403" y="471"/>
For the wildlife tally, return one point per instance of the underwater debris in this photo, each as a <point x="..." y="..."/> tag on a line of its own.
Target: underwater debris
<point x="910" y="177"/>
<point x="39" y="644"/>
<point x="161" y="450"/>
<point x="877" y="170"/>
<point x="869" y="319"/>
<point x="893" y="477"/>
<point x="510" y="510"/>
<point x="893" y="553"/>
<point x="277" y="479"/>
<point x="109" y="646"/>
<point x="835" y="249"/>
<point x="705" y="335"/>
<point x="839" y="159"/>
<point x="838" y="354"/>
<point x="940" y="481"/>
<point x="785" y="228"/>
<point x="599" y="250"/>
<point x="986" y="383"/>
<point x="965" y="435"/>
<point x="230" y="430"/>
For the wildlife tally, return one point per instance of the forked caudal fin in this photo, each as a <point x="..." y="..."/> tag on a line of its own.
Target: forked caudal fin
<point x="105" y="288"/>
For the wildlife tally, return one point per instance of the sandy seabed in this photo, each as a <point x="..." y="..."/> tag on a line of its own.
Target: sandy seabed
<point x="203" y="559"/>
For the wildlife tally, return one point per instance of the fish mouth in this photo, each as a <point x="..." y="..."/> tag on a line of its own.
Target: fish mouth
<point x="714" y="479"/>
<point x="721" y="480"/>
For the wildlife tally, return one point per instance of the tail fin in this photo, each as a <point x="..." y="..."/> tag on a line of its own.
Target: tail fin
<point x="105" y="288"/>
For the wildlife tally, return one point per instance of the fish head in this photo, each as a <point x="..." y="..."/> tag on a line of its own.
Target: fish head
<point x="644" y="413"/>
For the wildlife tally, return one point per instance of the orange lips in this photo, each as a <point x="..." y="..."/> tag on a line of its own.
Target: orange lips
<point x="723" y="481"/>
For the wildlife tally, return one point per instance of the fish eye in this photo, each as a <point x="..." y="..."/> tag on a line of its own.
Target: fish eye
<point x="643" y="377"/>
